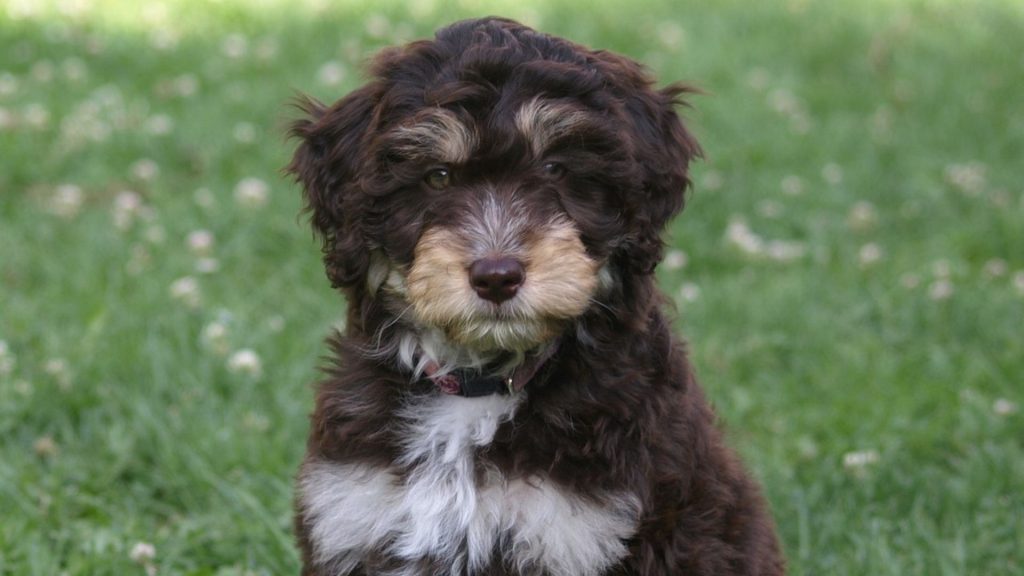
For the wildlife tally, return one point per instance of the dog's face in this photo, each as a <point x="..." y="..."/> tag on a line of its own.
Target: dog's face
<point x="495" y="183"/>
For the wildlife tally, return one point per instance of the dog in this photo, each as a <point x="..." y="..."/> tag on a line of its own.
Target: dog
<point x="507" y="396"/>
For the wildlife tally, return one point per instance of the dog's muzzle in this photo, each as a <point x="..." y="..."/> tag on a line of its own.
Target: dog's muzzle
<point x="502" y="277"/>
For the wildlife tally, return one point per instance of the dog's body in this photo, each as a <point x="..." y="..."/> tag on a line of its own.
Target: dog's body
<point x="508" y="398"/>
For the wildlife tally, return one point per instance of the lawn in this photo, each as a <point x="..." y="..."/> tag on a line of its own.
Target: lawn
<point x="849" y="270"/>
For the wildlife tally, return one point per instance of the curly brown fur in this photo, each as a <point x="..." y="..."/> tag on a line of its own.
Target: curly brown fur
<point x="493" y="140"/>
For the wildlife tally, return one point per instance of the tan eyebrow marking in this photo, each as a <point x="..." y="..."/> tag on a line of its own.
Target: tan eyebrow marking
<point x="542" y="122"/>
<point x="440" y="134"/>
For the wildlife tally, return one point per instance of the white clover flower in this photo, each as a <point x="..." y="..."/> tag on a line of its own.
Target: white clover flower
<point x="252" y="193"/>
<point x="995" y="268"/>
<point x="186" y="291"/>
<point x="139" y="260"/>
<point x="1018" y="282"/>
<point x="792" y="185"/>
<point x="968" y="178"/>
<point x="807" y="448"/>
<point x="57" y="368"/>
<point x="1001" y="198"/>
<point x="159" y="124"/>
<point x="155" y="234"/>
<point x="856" y="461"/>
<point x="186" y="85"/>
<point x="42" y="71"/>
<point x="785" y="250"/>
<point x="275" y="323"/>
<point x="8" y="83"/>
<point x="73" y="9"/>
<point x="881" y="123"/>
<point x="377" y="25"/>
<point x="23" y="9"/>
<point x="155" y="14"/>
<point x="331" y="73"/>
<point x="245" y="133"/>
<point x="869" y="254"/>
<point x="127" y="206"/>
<point x="67" y="201"/>
<point x="739" y="234"/>
<point x="200" y="242"/>
<point x="84" y="124"/>
<point x="942" y="268"/>
<point x="910" y="281"/>
<point x="204" y="198"/>
<point x="758" y="79"/>
<point x="145" y="169"/>
<point x="783" y="101"/>
<point x="235" y="46"/>
<point x="769" y="209"/>
<point x="862" y="216"/>
<point x="674" y="260"/>
<point x="36" y="116"/>
<point x="247" y="362"/>
<point x="800" y="122"/>
<point x="266" y="49"/>
<point x="671" y="35"/>
<point x="832" y="173"/>
<point x="164" y="38"/>
<point x="142" y="553"/>
<point x="7" y="360"/>
<point x="74" y="69"/>
<point x="207" y="265"/>
<point x="689" y="292"/>
<point x="255" y="421"/>
<point x="45" y="447"/>
<point x="215" y="338"/>
<point x="712" y="180"/>
<point x="1004" y="407"/>
<point x="941" y="289"/>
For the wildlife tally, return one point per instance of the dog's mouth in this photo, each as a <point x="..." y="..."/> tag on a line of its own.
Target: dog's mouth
<point x="486" y="326"/>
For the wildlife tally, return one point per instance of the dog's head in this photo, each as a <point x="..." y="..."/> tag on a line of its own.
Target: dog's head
<point x="492" y="183"/>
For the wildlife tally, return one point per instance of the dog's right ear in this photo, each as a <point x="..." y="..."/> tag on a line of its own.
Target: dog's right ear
<point x="326" y="164"/>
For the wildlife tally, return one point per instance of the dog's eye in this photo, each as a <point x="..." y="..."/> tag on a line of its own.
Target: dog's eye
<point x="553" y="170"/>
<point x="438" y="178"/>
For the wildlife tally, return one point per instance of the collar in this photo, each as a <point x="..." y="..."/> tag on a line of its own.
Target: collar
<point x="472" y="384"/>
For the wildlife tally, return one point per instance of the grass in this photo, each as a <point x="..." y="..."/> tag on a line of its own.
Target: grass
<point x="849" y="270"/>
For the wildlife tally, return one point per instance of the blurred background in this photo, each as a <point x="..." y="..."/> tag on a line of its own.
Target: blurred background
<point x="849" y="269"/>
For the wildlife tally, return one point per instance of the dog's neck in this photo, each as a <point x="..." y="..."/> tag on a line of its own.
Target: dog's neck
<point x="473" y="383"/>
<point x="427" y="354"/>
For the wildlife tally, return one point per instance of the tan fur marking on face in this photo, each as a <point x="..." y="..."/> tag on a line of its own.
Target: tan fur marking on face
<point x="561" y="277"/>
<point x="543" y="122"/>
<point x="441" y="134"/>
<point x="437" y="284"/>
<point x="560" y="281"/>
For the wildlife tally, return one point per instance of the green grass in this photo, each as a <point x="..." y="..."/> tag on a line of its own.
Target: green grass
<point x="882" y="140"/>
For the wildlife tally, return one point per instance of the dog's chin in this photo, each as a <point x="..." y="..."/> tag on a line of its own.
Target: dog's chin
<point x="498" y="332"/>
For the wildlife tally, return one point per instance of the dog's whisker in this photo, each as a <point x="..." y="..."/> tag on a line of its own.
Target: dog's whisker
<point x="595" y="302"/>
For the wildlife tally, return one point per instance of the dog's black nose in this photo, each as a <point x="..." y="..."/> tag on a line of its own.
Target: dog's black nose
<point x="496" y="279"/>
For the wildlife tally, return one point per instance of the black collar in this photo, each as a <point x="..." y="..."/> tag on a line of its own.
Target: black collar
<point x="473" y="384"/>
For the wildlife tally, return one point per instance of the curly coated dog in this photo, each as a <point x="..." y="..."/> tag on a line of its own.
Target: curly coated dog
<point x="507" y="397"/>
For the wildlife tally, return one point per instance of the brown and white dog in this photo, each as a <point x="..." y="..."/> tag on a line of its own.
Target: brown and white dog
<point x="507" y="397"/>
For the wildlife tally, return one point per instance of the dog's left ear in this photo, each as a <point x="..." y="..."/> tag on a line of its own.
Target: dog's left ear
<point x="327" y="163"/>
<point x="663" y="149"/>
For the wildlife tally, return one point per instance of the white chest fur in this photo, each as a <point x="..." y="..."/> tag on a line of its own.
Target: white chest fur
<point x="444" y="511"/>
